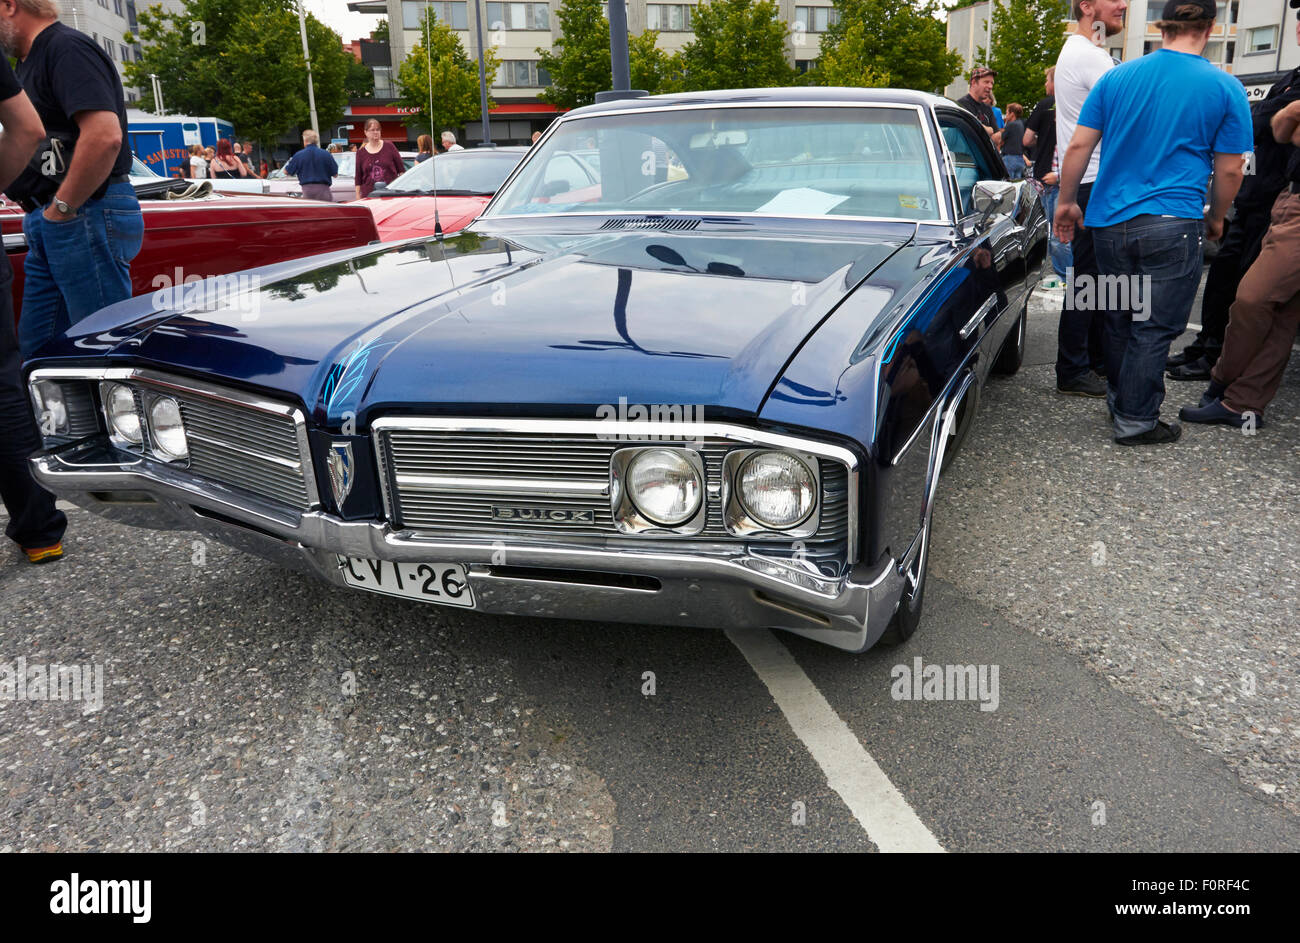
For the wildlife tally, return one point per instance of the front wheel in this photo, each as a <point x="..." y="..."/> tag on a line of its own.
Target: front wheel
<point x="904" y="624"/>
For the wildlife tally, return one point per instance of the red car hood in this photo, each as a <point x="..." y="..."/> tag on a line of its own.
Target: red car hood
<point x="403" y="217"/>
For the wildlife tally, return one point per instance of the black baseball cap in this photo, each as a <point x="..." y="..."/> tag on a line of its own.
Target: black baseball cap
<point x="1208" y="10"/>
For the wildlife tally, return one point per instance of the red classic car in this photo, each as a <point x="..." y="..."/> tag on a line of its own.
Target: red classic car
<point x="215" y="234"/>
<point x="465" y="181"/>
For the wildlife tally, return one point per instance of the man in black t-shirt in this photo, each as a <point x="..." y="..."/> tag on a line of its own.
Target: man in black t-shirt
<point x="1040" y="134"/>
<point x="979" y="101"/>
<point x="35" y="524"/>
<point x="83" y="222"/>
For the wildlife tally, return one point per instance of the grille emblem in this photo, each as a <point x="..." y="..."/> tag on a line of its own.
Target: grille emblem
<point x="339" y="462"/>
<point x="544" y="515"/>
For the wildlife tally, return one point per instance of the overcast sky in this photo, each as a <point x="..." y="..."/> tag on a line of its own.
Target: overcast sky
<point x="334" y="13"/>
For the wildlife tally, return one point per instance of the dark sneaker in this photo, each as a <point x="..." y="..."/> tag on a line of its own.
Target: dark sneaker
<point x="1087" y="385"/>
<point x="1198" y="369"/>
<point x="1216" y="414"/>
<point x="44" y="554"/>
<point x="1162" y="434"/>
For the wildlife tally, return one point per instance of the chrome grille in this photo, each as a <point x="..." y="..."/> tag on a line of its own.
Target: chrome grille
<point x="493" y="459"/>
<point x="246" y="448"/>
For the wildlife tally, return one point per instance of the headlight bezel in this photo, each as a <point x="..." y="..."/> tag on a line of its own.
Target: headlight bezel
<point x="157" y="448"/>
<point x="119" y="437"/>
<point x="629" y="517"/>
<point x="742" y="521"/>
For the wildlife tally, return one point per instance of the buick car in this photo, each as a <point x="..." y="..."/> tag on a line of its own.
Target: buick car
<point x="716" y="385"/>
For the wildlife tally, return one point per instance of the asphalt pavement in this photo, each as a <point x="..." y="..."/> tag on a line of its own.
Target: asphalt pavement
<point x="1139" y="607"/>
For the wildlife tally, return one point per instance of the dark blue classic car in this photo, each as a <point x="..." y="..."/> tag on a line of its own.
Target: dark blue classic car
<point x="715" y="388"/>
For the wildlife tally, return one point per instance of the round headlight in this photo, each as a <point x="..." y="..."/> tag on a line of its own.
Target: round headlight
<point x="665" y="486"/>
<point x="777" y="489"/>
<point x="119" y="403"/>
<point x="51" y="410"/>
<point x="167" y="432"/>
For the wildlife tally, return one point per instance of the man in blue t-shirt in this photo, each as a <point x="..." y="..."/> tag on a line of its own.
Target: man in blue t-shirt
<point x="1164" y="121"/>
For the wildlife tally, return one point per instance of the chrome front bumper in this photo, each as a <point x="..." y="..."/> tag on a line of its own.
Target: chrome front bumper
<point x="719" y="586"/>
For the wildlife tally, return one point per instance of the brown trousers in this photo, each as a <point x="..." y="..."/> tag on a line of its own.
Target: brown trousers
<point x="1262" y="321"/>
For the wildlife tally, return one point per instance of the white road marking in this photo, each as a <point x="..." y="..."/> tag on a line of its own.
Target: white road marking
<point x="878" y="806"/>
<point x="65" y="505"/>
<point x="1193" y="327"/>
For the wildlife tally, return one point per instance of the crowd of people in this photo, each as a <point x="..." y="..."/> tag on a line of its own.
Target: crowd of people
<point x="1139" y="165"/>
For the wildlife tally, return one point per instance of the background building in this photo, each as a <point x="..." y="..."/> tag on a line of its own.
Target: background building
<point x="1252" y="39"/>
<point x="516" y="30"/>
<point x="107" y="22"/>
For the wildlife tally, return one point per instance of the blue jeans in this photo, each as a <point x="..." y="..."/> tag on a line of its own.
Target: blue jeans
<point x="1061" y="253"/>
<point x="1015" y="164"/>
<point x="75" y="268"/>
<point x="1161" y="257"/>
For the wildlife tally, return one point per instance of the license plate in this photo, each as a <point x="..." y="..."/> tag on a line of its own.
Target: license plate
<point x="443" y="583"/>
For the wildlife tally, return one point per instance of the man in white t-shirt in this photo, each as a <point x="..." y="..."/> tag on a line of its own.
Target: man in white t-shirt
<point x="1080" y="351"/>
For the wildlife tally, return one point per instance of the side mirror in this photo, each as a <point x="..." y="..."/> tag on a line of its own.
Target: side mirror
<point x="995" y="198"/>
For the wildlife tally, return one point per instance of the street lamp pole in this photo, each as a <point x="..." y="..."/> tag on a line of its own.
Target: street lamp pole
<point x="157" y="94"/>
<point x="482" y="75"/>
<point x="311" y="91"/>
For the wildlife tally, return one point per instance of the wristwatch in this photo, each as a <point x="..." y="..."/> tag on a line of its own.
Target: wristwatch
<point x="63" y="208"/>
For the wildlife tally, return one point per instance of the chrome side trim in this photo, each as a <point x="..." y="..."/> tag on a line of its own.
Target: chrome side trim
<point x="634" y="431"/>
<point x="544" y="487"/>
<point x="969" y="327"/>
<point x="916" y="433"/>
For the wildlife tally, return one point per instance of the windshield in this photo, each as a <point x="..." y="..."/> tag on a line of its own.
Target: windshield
<point x="783" y="161"/>
<point x="346" y="163"/>
<point x="140" y="169"/>
<point x="464" y="172"/>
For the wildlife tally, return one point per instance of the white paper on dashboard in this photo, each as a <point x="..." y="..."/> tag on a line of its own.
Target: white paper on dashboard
<point x="802" y="201"/>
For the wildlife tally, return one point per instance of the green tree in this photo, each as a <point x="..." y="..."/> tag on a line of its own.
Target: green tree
<point x="380" y="33"/>
<point x="579" y="62"/>
<point x="898" y="38"/>
<point x="738" y="44"/>
<point x="850" y="64"/>
<point x="653" y="69"/>
<point x="240" y="60"/>
<point x="454" y="93"/>
<point x="360" y="81"/>
<point x="1027" y="38"/>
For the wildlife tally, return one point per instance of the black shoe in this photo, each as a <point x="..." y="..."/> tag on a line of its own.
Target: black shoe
<point x="1087" y="385"/>
<point x="1216" y="414"/>
<point x="1212" y="392"/>
<point x="1162" y="434"/>
<point x="1198" y="369"/>
<point x="1186" y="355"/>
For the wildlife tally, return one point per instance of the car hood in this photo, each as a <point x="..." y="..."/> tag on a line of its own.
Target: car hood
<point x="405" y="217"/>
<point x="495" y="322"/>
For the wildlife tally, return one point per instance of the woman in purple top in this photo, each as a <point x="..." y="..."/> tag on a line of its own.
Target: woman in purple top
<point x="377" y="160"/>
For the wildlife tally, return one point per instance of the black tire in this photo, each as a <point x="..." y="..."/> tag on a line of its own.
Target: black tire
<point x="908" y="617"/>
<point x="1012" y="353"/>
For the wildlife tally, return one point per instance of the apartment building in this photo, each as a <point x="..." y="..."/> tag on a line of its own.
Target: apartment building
<point x="516" y="30"/>
<point x="1252" y="39"/>
<point x="107" y="22"/>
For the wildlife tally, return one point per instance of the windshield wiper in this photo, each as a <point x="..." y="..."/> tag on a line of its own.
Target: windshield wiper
<point x="429" y="192"/>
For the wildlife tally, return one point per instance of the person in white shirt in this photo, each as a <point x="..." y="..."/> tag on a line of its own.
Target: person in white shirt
<point x="198" y="163"/>
<point x="449" y="142"/>
<point x="1080" y="348"/>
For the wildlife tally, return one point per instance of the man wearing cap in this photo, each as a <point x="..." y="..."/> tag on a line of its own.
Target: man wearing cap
<point x="1248" y="222"/>
<point x="1183" y="117"/>
<point x="1080" y="348"/>
<point x="979" y="101"/>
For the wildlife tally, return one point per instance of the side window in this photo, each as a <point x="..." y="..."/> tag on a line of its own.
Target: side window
<point x="563" y="168"/>
<point x="968" y="158"/>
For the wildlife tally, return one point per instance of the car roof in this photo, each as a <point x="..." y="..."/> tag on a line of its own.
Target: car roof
<point x="749" y="96"/>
